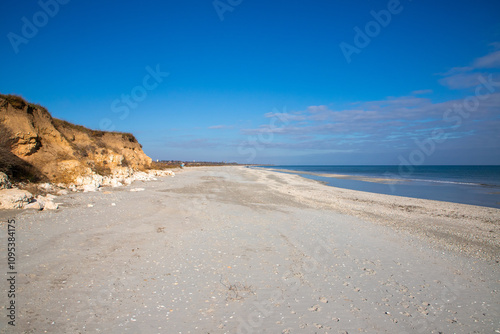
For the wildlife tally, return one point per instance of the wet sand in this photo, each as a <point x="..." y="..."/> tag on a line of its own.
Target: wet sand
<point x="237" y="250"/>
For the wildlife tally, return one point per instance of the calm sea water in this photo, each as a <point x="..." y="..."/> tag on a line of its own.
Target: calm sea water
<point x="477" y="185"/>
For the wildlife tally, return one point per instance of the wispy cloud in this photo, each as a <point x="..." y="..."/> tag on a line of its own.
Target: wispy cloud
<point x="393" y="121"/>
<point x="468" y="76"/>
<point x="491" y="60"/>
<point x="221" y="127"/>
<point x="422" y="92"/>
<point x="461" y="80"/>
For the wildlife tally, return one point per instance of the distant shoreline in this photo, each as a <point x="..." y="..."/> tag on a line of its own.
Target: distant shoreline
<point x="455" y="184"/>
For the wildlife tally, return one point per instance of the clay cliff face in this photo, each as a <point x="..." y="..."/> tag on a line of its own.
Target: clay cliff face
<point x="35" y="146"/>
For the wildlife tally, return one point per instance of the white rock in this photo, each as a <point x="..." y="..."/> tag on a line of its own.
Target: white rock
<point x="50" y="197"/>
<point x="4" y="181"/>
<point x="142" y="176"/>
<point x="46" y="187"/>
<point x="120" y="176"/>
<point x="90" y="205"/>
<point x="156" y="172"/>
<point x="128" y="181"/>
<point x="14" y="198"/>
<point x="137" y="189"/>
<point x="90" y="182"/>
<point x="51" y="206"/>
<point x="89" y="187"/>
<point x="62" y="192"/>
<point x="34" y="205"/>
<point x="41" y="200"/>
<point x="116" y="183"/>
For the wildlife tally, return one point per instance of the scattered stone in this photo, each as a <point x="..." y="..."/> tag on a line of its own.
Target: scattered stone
<point x="46" y="187"/>
<point x="90" y="205"/>
<point x="34" y="205"/>
<point x="89" y="188"/>
<point x="44" y="203"/>
<point x="50" y="197"/>
<point x="14" y="198"/>
<point x="87" y="183"/>
<point x="315" y="308"/>
<point x="115" y="183"/>
<point x="62" y="192"/>
<point x="51" y="206"/>
<point x="4" y="181"/>
<point x="323" y="300"/>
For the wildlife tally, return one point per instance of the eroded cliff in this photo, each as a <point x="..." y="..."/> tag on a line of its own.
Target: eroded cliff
<point x="35" y="146"/>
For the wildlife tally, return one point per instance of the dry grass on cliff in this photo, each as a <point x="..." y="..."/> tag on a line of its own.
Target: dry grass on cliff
<point x="19" y="102"/>
<point x="60" y="125"/>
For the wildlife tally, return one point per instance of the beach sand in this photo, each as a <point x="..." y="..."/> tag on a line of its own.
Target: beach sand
<point x="240" y="250"/>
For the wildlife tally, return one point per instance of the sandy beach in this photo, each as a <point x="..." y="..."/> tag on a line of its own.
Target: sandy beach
<point x="241" y="250"/>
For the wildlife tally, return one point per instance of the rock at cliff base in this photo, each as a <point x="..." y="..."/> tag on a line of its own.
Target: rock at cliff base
<point x="47" y="187"/>
<point x="51" y="206"/>
<point x="89" y="188"/>
<point x="35" y="206"/>
<point x="14" y="198"/>
<point x="4" y="181"/>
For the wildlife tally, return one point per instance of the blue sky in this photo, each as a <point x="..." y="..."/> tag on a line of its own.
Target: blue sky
<point x="284" y="82"/>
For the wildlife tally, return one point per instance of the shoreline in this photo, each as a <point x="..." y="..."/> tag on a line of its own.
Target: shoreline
<point x="236" y="250"/>
<point x="450" y="225"/>
<point x="338" y="176"/>
<point x="477" y="194"/>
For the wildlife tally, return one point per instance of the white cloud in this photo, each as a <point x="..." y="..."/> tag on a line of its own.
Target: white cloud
<point x="467" y="76"/>
<point x="386" y="124"/>
<point x="461" y="80"/>
<point x="491" y="60"/>
<point x="220" y="127"/>
<point x="422" y="92"/>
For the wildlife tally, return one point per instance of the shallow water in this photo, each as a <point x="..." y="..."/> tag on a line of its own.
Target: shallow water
<point x="477" y="185"/>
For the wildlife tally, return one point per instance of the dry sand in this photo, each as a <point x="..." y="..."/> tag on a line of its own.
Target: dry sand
<point x="237" y="250"/>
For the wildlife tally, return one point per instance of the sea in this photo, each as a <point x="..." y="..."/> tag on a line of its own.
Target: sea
<point x="476" y="185"/>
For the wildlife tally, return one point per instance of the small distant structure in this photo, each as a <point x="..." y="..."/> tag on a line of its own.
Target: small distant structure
<point x="182" y="165"/>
